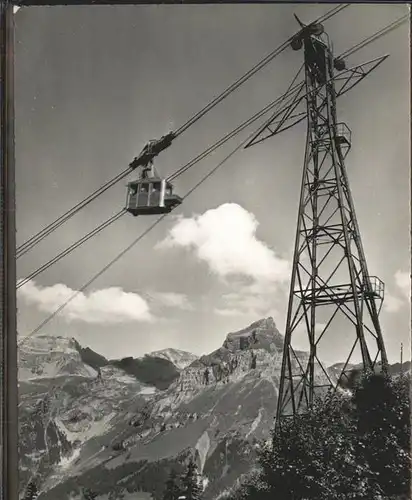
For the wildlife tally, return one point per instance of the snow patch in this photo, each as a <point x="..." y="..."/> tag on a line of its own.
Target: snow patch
<point x="147" y="391"/>
<point x="87" y="431"/>
<point x="203" y="446"/>
<point x="181" y="359"/>
<point x="65" y="462"/>
<point x="255" y="423"/>
<point x="46" y="357"/>
<point x="205" y="482"/>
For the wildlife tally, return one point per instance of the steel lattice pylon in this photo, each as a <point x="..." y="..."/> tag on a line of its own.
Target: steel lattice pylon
<point x="330" y="283"/>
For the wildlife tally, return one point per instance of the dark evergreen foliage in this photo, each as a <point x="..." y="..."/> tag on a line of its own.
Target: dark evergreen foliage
<point x="32" y="491"/>
<point x="382" y="416"/>
<point x="173" y="488"/>
<point x="89" y="494"/>
<point x="158" y="372"/>
<point x="190" y="485"/>
<point x="253" y="362"/>
<point x="354" y="447"/>
<point x="91" y="357"/>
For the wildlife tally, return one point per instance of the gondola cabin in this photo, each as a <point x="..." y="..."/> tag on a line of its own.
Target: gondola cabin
<point x="151" y="196"/>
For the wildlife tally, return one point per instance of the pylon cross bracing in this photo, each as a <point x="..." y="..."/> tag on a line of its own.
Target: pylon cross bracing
<point x="332" y="296"/>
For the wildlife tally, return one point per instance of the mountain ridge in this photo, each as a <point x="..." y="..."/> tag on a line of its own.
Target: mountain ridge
<point x="118" y="436"/>
<point x="181" y="359"/>
<point x="112" y="418"/>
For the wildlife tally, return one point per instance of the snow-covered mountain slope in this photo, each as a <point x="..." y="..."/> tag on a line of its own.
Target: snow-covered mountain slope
<point x="43" y="357"/>
<point x="109" y="432"/>
<point x="215" y="410"/>
<point x="64" y="403"/>
<point x="181" y="359"/>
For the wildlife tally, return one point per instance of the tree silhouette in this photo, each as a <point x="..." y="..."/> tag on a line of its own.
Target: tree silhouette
<point x="172" y="488"/>
<point x="382" y="415"/>
<point x="353" y="447"/>
<point x="89" y="494"/>
<point x="31" y="491"/>
<point x="253" y="362"/>
<point x="190" y="483"/>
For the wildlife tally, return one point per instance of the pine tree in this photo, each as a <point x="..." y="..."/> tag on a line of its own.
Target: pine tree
<point x="172" y="488"/>
<point x="253" y="362"/>
<point x="31" y="491"/>
<point x="89" y="494"/>
<point x="382" y="412"/>
<point x="355" y="448"/>
<point x="190" y="483"/>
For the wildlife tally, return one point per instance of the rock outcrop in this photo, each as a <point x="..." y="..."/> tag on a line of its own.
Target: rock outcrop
<point x="109" y="432"/>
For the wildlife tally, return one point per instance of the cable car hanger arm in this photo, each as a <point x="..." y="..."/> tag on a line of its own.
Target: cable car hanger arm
<point x="347" y="80"/>
<point x="154" y="147"/>
<point x="180" y="171"/>
<point x="151" y="150"/>
<point x="355" y="75"/>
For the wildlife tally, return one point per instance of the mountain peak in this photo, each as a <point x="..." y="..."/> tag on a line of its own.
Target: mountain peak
<point x="262" y="334"/>
<point x="181" y="359"/>
<point x="51" y="356"/>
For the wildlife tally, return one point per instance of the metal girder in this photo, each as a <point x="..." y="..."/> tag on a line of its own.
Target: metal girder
<point x="331" y="291"/>
<point x="292" y="113"/>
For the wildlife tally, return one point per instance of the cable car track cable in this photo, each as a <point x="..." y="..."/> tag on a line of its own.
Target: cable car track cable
<point x="25" y="247"/>
<point x="292" y="88"/>
<point x="218" y="144"/>
<point x="178" y="173"/>
<point x="72" y="247"/>
<point x="260" y="65"/>
<point x="132" y="244"/>
<point x="384" y="31"/>
<point x="211" y="149"/>
<point x="129" y="247"/>
<point x="35" y="239"/>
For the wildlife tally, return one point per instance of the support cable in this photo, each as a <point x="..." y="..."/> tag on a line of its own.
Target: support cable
<point x="34" y="240"/>
<point x="178" y="173"/>
<point x="123" y="252"/>
<point x="384" y="31"/>
<point x="132" y="244"/>
<point x="72" y="247"/>
<point x="212" y="148"/>
<point x="261" y="64"/>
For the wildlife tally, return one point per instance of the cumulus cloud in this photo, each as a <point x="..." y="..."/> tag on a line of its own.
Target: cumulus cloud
<point x="225" y="239"/>
<point x="403" y="281"/>
<point x="392" y="304"/>
<point x="256" y="300"/>
<point x="109" y="305"/>
<point x="230" y="312"/>
<point x="172" y="299"/>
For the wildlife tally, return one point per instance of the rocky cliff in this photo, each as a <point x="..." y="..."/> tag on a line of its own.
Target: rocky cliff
<point x="119" y="437"/>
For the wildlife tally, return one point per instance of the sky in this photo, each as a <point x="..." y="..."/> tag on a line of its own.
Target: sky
<point x="94" y="83"/>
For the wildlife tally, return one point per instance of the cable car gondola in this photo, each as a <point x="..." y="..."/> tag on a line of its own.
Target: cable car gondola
<point x="151" y="195"/>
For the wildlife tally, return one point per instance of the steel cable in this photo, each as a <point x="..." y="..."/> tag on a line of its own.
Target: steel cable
<point x="178" y="173"/>
<point x="35" y="239"/>
<point x="132" y="244"/>
<point x="384" y="31"/>
<point x="215" y="146"/>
